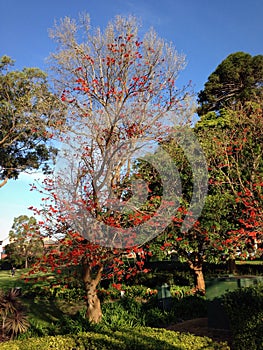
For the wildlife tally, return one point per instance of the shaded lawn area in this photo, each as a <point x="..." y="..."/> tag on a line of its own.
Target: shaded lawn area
<point x="42" y="310"/>
<point x="46" y="311"/>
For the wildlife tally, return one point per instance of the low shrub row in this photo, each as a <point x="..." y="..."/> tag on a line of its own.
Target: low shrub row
<point x="141" y="338"/>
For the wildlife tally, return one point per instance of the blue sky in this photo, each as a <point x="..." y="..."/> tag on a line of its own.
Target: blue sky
<point x="206" y="31"/>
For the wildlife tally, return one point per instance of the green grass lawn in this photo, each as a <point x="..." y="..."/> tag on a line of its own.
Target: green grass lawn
<point x="249" y="262"/>
<point x="8" y="281"/>
<point x="42" y="311"/>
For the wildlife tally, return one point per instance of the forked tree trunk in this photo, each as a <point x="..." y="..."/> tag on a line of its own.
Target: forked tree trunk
<point x="93" y="313"/>
<point x="199" y="281"/>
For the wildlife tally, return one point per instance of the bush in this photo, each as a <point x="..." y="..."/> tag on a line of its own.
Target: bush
<point x="143" y="338"/>
<point x="191" y="306"/>
<point x="122" y="313"/>
<point x="244" y="308"/>
<point x="13" y="319"/>
<point x="45" y="289"/>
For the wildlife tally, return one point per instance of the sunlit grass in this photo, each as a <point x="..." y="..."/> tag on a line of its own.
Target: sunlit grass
<point x="249" y="262"/>
<point x="8" y="281"/>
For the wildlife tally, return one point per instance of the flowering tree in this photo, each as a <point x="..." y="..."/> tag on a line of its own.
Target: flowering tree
<point x="230" y="225"/>
<point x="122" y="99"/>
<point x="233" y="145"/>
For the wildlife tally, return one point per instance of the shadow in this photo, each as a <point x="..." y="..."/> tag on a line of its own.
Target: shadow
<point x="45" y="310"/>
<point x="147" y="338"/>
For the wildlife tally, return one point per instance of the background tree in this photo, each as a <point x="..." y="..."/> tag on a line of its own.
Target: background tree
<point x="239" y="78"/>
<point x="230" y="132"/>
<point x="190" y="243"/>
<point x="27" y="111"/>
<point x="233" y="148"/>
<point x="121" y="95"/>
<point x="26" y="245"/>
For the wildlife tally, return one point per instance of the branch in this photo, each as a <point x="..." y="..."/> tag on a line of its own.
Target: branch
<point x="3" y="182"/>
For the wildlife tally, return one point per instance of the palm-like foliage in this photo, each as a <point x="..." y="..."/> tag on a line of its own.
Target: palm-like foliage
<point x="13" y="318"/>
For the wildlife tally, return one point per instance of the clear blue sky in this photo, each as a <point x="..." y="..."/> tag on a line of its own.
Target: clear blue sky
<point x="206" y="31"/>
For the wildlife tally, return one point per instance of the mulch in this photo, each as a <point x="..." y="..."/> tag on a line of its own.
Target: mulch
<point x="199" y="326"/>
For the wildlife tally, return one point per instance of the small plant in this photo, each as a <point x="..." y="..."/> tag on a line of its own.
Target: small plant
<point x="13" y="318"/>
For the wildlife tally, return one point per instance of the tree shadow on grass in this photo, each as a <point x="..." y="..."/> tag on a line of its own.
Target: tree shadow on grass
<point x="43" y="310"/>
<point x="147" y="338"/>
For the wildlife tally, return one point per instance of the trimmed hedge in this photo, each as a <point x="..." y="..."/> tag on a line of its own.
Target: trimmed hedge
<point x="244" y="309"/>
<point x="141" y="338"/>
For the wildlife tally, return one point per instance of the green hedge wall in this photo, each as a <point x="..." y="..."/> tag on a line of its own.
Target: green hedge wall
<point x="244" y="308"/>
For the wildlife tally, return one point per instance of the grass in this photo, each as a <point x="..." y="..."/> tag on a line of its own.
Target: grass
<point x="249" y="262"/>
<point x="42" y="311"/>
<point x="8" y="281"/>
<point x="46" y="311"/>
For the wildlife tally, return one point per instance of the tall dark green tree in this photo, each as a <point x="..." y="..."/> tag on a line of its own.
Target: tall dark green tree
<point x="239" y="78"/>
<point x="28" y="110"/>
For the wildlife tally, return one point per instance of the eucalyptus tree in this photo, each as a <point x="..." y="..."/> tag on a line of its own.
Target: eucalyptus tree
<point x="28" y="111"/>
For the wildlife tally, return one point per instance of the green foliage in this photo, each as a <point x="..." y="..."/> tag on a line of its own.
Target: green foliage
<point x="12" y="316"/>
<point x="26" y="244"/>
<point x="235" y="168"/>
<point x="124" y="312"/>
<point x="190" y="307"/>
<point x="128" y="311"/>
<point x="26" y="106"/>
<point x="49" y="290"/>
<point x="134" y="291"/>
<point x="244" y="308"/>
<point x="142" y="338"/>
<point x="56" y="317"/>
<point x="237" y="79"/>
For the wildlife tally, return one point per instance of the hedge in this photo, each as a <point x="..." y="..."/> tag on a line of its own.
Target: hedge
<point x="244" y="309"/>
<point x="141" y="338"/>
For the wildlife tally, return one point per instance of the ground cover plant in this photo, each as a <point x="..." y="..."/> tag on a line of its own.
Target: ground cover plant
<point x="142" y="338"/>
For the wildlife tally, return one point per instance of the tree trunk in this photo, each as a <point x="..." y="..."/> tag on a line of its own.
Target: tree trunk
<point x="199" y="280"/>
<point x="232" y="268"/>
<point x="26" y="263"/>
<point x="93" y="313"/>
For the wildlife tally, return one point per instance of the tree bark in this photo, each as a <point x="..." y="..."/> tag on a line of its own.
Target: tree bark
<point x="3" y="182"/>
<point x="232" y="268"/>
<point x="199" y="281"/>
<point x="93" y="313"/>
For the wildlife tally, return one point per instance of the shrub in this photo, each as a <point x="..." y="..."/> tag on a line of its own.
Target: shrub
<point x="45" y="289"/>
<point x="143" y="338"/>
<point x="12" y="316"/>
<point x="122" y="313"/>
<point x="191" y="306"/>
<point x="244" y="308"/>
